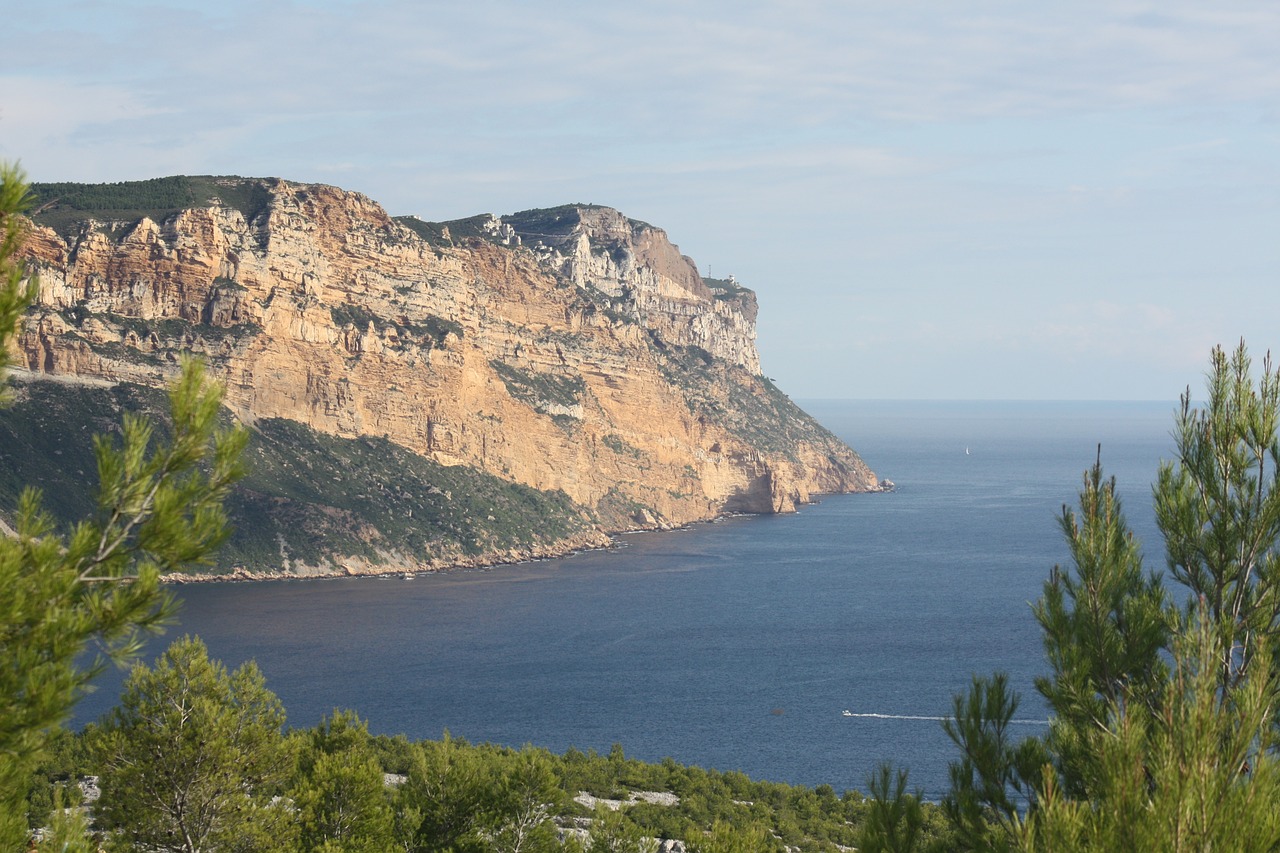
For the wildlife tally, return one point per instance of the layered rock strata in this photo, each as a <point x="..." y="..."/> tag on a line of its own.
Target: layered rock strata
<point x="569" y="349"/>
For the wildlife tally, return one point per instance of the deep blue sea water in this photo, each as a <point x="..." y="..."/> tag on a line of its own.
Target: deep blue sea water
<point x="734" y="645"/>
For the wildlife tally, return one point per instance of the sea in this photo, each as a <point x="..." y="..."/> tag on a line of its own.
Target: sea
<point x="806" y="648"/>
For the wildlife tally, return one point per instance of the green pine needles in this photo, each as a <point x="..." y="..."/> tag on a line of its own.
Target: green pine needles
<point x="1219" y="509"/>
<point x="192" y="756"/>
<point x="16" y="290"/>
<point x="1164" y="689"/>
<point x="159" y="508"/>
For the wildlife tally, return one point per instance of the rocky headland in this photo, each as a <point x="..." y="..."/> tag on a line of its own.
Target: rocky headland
<point x="422" y="394"/>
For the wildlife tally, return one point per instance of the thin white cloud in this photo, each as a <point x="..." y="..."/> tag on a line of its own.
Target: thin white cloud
<point x="36" y="109"/>
<point x="1141" y="335"/>
<point x="685" y="67"/>
<point x="848" y="159"/>
<point x="1010" y="147"/>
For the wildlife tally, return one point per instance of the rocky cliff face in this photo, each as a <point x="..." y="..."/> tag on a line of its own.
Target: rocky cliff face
<point x="648" y="279"/>
<point x="567" y="349"/>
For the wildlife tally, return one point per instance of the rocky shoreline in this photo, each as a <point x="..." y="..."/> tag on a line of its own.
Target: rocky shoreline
<point x="359" y="567"/>
<point x="351" y="567"/>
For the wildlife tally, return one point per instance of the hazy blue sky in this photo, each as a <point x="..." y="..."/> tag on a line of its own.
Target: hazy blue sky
<point x="932" y="199"/>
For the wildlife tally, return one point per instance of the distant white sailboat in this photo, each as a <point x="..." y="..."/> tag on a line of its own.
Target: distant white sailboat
<point x="966" y="451"/>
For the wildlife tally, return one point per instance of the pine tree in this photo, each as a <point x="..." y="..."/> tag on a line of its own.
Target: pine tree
<point x="340" y="797"/>
<point x="1164" y="705"/>
<point x="726" y="838"/>
<point x="1181" y="757"/>
<point x="159" y="509"/>
<point x="1218" y="506"/>
<point x="612" y="832"/>
<point x="1195" y="771"/>
<point x="525" y="797"/>
<point x="895" y="818"/>
<point x="17" y="291"/>
<point x="448" y="793"/>
<point x="1105" y="626"/>
<point x="192" y="757"/>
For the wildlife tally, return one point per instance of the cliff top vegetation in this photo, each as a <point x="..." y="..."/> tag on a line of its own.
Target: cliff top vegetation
<point x="63" y="206"/>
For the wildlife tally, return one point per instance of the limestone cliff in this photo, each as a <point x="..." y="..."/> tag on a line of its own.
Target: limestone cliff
<point x="568" y="349"/>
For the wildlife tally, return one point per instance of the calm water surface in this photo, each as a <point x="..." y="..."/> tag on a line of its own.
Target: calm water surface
<point x="734" y="645"/>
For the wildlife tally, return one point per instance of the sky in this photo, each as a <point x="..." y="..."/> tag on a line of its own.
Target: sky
<point x="932" y="200"/>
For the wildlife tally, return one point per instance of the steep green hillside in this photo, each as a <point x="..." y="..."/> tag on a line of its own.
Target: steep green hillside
<point x="308" y="499"/>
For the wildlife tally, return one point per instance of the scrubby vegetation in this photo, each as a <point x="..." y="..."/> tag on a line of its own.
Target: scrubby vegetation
<point x="453" y="232"/>
<point x="621" y="446"/>
<point x="539" y="390"/>
<point x="748" y="406"/>
<point x="551" y="223"/>
<point x="225" y="772"/>
<point x="432" y="232"/>
<point x="308" y="498"/>
<point x="170" y="335"/>
<point x="65" y="206"/>
<point x="431" y="332"/>
<point x="723" y="288"/>
<point x="363" y="496"/>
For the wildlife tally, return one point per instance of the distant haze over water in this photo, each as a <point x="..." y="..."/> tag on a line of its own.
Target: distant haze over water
<point x="735" y="645"/>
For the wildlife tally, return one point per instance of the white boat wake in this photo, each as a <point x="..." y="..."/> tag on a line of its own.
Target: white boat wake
<point x="933" y="719"/>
